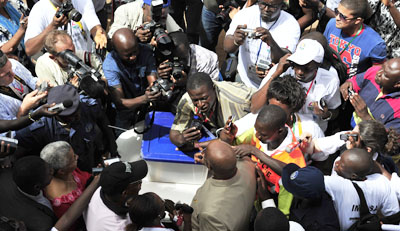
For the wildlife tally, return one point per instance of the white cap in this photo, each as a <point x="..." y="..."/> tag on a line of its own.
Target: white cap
<point x="306" y="51"/>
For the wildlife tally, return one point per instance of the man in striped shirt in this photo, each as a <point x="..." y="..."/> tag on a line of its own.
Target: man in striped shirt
<point x="210" y="102"/>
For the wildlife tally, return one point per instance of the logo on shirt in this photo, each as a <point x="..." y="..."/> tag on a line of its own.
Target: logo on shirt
<point x="350" y="56"/>
<point x="294" y="175"/>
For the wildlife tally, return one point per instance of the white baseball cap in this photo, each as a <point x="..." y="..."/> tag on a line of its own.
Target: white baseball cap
<point x="306" y="51"/>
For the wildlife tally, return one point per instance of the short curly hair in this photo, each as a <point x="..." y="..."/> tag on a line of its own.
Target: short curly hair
<point x="53" y="37"/>
<point x="287" y="91"/>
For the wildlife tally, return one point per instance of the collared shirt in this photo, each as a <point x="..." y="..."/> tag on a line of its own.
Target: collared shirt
<point x="203" y="60"/>
<point x="132" y="79"/>
<point x="386" y="108"/>
<point x="47" y="69"/>
<point x="9" y="106"/>
<point x="233" y="100"/>
<point x="38" y="198"/>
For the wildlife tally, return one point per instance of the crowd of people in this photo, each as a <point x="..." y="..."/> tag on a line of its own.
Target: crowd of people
<point x="302" y="112"/>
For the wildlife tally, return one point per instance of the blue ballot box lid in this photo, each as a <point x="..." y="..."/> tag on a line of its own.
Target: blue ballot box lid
<point x="156" y="145"/>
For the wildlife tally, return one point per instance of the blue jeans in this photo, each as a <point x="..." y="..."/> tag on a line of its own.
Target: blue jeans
<point x="211" y="28"/>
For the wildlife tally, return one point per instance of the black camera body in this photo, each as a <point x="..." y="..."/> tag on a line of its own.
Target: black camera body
<point x="196" y="123"/>
<point x="88" y="77"/>
<point x="177" y="68"/>
<point x="223" y="16"/>
<point x="164" y="86"/>
<point x="69" y="11"/>
<point x="164" y="42"/>
<point x="184" y="207"/>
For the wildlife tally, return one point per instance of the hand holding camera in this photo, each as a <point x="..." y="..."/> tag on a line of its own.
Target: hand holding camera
<point x="239" y="35"/>
<point x="144" y="35"/>
<point x="347" y="90"/>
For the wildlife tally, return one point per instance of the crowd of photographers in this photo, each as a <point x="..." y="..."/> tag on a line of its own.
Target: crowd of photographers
<point x="302" y="114"/>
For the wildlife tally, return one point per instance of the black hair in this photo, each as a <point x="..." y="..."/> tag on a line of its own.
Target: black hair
<point x="181" y="43"/>
<point x="145" y="209"/>
<point x="271" y="219"/>
<point x="374" y="135"/>
<point x="199" y="79"/>
<point x="273" y="116"/>
<point x="359" y="8"/>
<point x="331" y="57"/>
<point x="287" y="90"/>
<point x="30" y="171"/>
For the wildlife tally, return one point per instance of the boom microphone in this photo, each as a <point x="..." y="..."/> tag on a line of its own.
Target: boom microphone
<point x="61" y="106"/>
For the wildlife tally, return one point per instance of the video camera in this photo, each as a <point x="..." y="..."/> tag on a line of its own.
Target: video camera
<point x="164" y="42"/>
<point x="223" y="16"/>
<point x="88" y="77"/>
<point x="68" y="10"/>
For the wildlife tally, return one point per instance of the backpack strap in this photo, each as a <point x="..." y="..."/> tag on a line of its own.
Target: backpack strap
<point x="363" y="203"/>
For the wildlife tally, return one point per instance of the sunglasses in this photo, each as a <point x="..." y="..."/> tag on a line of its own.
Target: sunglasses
<point x="270" y="6"/>
<point x="341" y="16"/>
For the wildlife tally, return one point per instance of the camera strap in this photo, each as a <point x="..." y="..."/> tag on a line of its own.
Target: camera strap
<point x="142" y="113"/>
<point x="17" y="93"/>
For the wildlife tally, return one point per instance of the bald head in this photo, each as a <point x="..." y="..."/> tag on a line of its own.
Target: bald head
<point x="221" y="159"/>
<point x="388" y="77"/>
<point x="357" y="162"/>
<point x="124" y="39"/>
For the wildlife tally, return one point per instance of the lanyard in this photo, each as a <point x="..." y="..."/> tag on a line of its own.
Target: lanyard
<point x="347" y="45"/>
<point x="308" y="91"/>
<point x="21" y="89"/>
<point x="205" y="118"/>
<point x="261" y="42"/>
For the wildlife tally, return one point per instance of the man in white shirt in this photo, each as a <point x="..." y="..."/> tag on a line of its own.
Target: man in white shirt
<point x="43" y="20"/>
<point x="119" y="182"/>
<point x="275" y="30"/>
<point x="354" y="166"/>
<point x="321" y="86"/>
<point x="16" y="82"/>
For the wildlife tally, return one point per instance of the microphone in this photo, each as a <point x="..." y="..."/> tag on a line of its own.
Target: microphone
<point x="61" y="106"/>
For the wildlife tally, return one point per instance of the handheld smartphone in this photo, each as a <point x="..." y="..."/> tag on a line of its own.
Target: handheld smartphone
<point x="96" y="171"/>
<point x="263" y="65"/>
<point x="9" y="141"/>
<point x="322" y="104"/>
<point x="351" y="92"/>
<point x="43" y="87"/>
<point x="346" y="136"/>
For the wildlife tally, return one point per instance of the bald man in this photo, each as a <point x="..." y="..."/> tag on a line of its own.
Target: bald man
<point x="129" y="69"/>
<point x="356" y="165"/>
<point x="377" y="94"/>
<point x="225" y="200"/>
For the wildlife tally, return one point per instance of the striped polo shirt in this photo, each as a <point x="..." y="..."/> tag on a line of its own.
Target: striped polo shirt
<point x="385" y="108"/>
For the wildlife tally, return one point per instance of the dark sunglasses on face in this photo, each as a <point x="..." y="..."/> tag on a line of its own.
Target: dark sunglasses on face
<point x="270" y="6"/>
<point x="341" y="16"/>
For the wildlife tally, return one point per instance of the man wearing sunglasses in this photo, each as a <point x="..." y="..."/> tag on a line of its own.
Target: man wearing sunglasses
<point x="261" y="33"/>
<point x="359" y="45"/>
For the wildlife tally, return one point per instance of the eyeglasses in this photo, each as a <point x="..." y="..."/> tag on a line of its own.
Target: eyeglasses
<point x="341" y="16"/>
<point x="270" y="6"/>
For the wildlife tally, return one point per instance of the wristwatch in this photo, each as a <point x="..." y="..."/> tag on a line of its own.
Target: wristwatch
<point x="328" y="118"/>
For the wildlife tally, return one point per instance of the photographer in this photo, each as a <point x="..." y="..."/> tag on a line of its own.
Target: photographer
<point x="130" y="68"/>
<point x="54" y="69"/>
<point x="135" y="14"/>
<point x="44" y="17"/>
<point x="16" y="82"/>
<point x="270" y="31"/>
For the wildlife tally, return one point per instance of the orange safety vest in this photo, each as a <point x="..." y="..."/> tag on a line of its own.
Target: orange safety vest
<point x="295" y="156"/>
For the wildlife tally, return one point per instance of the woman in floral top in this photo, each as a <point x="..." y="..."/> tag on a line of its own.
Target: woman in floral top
<point x="13" y="24"/>
<point x="68" y="181"/>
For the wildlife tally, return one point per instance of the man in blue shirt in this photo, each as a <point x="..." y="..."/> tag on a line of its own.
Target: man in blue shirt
<point x="358" y="45"/>
<point x="129" y="69"/>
